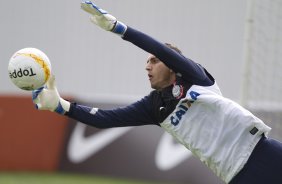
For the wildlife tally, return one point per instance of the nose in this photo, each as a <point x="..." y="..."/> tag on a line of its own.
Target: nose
<point x="148" y="66"/>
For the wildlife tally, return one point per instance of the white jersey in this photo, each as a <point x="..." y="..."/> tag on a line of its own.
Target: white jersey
<point x="215" y="129"/>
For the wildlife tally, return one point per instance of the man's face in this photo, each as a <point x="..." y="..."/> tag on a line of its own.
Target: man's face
<point x="160" y="76"/>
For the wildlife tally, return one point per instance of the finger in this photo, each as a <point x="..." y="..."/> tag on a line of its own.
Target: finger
<point x="38" y="106"/>
<point x="51" y="84"/>
<point x="92" y="8"/>
<point x="94" y="20"/>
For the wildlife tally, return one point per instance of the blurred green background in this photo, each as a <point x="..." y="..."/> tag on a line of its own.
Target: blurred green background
<point x="61" y="178"/>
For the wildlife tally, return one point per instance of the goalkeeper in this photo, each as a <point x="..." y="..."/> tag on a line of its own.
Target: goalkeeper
<point x="187" y="103"/>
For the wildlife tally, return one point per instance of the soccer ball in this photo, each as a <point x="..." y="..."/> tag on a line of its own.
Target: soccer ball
<point x="29" y="68"/>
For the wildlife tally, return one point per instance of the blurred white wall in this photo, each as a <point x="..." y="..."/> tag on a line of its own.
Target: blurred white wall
<point x="91" y="63"/>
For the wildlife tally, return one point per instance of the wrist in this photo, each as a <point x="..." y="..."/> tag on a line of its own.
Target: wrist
<point x="119" y="28"/>
<point x="63" y="106"/>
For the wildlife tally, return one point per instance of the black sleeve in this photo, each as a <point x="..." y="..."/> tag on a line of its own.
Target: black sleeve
<point x="189" y="70"/>
<point x="136" y="114"/>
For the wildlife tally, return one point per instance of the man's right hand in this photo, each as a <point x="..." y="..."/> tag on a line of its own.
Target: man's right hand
<point x="48" y="98"/>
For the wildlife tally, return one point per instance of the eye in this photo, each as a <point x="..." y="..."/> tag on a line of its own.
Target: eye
<point x="154" y="60"/>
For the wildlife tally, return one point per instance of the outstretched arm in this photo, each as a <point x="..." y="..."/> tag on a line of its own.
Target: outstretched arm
<point x="188" y="69"/>
<point x="139" y="113"/>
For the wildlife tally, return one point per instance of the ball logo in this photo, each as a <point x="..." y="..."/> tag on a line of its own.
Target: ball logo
<point x="20" y="73"/>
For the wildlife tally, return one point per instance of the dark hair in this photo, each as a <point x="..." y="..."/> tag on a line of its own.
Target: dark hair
<point x="173" y="47"/>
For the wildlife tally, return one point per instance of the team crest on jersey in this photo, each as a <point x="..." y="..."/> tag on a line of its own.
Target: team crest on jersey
<point x="177" y="91"/>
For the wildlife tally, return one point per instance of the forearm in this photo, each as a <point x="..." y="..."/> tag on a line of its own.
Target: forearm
<point x="120" y="117"/>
